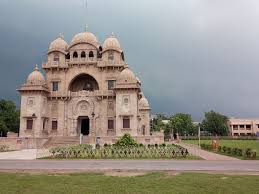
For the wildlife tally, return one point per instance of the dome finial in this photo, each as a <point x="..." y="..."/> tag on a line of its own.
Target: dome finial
<point x="61" y="35"/>
<point x="113" y="35"/>
<point x="36" y="67"/>
<point x="86" y="28"/>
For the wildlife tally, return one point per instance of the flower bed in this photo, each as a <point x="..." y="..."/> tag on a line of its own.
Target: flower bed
<point x="118" y="152"/>
<point x="245" y="153"/>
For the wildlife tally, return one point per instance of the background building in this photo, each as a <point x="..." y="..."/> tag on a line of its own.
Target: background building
<point x="243" y="127"/>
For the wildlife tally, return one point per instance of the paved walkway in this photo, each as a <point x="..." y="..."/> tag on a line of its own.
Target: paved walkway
<point x="125" y="165"/>
<point x="27" y="154"/>
<point x="196" y="151"/>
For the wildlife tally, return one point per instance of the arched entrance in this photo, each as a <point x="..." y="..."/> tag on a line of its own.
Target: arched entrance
<point x="83" y="82"/>
<point x="83" y="125"/>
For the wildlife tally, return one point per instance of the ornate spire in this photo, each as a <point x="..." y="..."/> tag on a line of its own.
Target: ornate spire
<point x="61" y="36"/>
<point x="36" y="67"/>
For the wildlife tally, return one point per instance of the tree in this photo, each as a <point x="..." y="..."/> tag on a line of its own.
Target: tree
<point x="182" y="124"/>
<point x="215" y="123"/>
<point x="157" y="123"/>
<point x="9" y="117"/>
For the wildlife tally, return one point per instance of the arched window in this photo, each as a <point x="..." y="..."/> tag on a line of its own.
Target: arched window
<point x="91" y="54"/>
<point x="75" y="55"/>
<point x="122" y="56"/>
<point x="56" y="57"/>
<point x="83" y="54"/>
<point x="83" y="82"/>
<point x="143" y="130"/>
<point x="111" y="56"/>
<point x="68" y="56"/>
<point x="99" y="55"/>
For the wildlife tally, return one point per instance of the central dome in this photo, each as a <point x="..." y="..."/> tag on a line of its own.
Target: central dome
<point x="84" y="37"/>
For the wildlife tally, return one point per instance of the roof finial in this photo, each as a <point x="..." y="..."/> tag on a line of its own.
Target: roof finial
<point x="86" y="27"/>
<point x="61" y="35"/>
<point x="113" y="35"/>
<point x="36" y="67"/>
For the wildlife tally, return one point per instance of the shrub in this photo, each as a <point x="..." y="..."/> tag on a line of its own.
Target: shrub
<point x="126" y="140"/>
<point x="229" y="150"/>
<point x="97" y="146"/>
<point x="249" y="153"/>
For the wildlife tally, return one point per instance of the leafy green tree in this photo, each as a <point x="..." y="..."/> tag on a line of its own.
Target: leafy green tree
<point x="157" y="123"/>
<point x="9" y="117"/>
<point x="215" y="123"/>
<point x="182" y="124"/>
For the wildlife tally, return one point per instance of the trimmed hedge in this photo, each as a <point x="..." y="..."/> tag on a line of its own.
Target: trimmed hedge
<point x="119" y="152"/>
<point x="219" y="137"/>
<point x="246" y="153"/>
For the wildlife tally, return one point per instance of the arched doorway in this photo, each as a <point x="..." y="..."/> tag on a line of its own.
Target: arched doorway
<point x="83" y="124"/>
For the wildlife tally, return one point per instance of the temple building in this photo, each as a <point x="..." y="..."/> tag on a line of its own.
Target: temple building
<point x="87" y="89"/>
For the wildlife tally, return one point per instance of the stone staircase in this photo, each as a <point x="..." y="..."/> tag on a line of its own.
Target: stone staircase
<point x="61" y="141"/>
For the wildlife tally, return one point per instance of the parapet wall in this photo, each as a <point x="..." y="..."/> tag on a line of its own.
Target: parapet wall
<point x="145" y="140"/>
<point x="16" y="143"/>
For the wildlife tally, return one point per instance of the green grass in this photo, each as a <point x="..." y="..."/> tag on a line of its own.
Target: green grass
<point x="149" y="183"/>
<point x="243" y="144"/>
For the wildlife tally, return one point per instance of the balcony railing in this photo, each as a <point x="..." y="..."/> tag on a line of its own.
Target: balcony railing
<point x="91" y="93"/>
<point x="100" y="62"/>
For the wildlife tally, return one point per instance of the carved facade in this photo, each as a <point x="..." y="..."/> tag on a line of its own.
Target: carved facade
<point x="89" y="90"/>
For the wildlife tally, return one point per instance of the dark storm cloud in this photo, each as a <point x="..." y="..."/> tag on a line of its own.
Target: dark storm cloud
<point x="192" y="56"/>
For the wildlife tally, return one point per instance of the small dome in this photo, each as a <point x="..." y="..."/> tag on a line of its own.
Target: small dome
<point x="84" y="37"/>
<point x="58" y="45"/>
<point x="126" y="76"/>
<point x="143" y="103"/>
<point x="36" y="77"/>
<point x="112" y="43"/>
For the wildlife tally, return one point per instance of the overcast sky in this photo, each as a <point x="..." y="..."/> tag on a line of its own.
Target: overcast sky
<point x="192" y="56"/>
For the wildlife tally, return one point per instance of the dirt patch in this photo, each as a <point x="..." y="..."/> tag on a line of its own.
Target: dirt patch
<point x="124" y="173"/>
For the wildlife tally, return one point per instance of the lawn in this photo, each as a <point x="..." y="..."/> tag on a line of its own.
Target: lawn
<point x="149" y="183"/>
<point x="243" y="144"/>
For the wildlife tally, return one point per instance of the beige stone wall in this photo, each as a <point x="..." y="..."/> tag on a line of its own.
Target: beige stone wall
<point x="23" y="143"/>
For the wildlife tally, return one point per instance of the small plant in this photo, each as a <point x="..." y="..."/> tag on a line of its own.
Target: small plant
<point x="126" y="141"/>
<point x="4" y="148"/>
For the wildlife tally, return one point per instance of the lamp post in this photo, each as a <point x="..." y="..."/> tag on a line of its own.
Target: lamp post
<point x="199" y="134"/>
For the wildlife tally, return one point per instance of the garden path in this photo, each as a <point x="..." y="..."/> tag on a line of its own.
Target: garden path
<point x="196" y="151"/>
